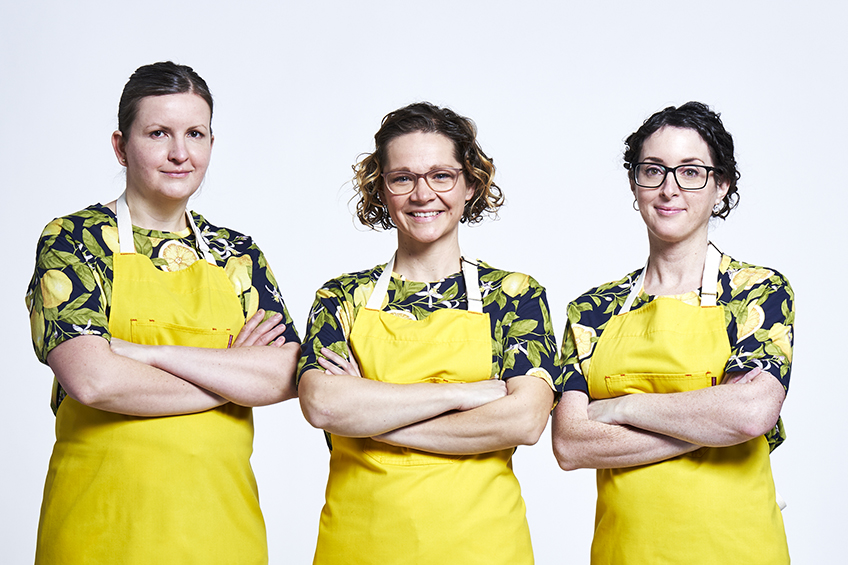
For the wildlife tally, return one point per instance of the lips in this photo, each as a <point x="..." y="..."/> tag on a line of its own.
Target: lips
<point x="666" y="211"/>
<point x="425" y="215"/>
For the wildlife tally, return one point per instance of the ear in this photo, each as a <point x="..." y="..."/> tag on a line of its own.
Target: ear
<point x="469" y="191"/>
<point x="211" y="140"/>
<point x="119" y="145"/>
<point x="721" y="190"/>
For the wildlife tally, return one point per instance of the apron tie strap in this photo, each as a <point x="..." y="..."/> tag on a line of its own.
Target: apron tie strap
<point x="125" y="233"/>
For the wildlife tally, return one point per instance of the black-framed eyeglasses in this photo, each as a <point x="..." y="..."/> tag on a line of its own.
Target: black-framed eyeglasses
<point x="404" y="182"/>
<point x="688" y="177"/>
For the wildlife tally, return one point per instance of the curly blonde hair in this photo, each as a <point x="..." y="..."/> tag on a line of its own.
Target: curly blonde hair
<point x="478" y="168"/>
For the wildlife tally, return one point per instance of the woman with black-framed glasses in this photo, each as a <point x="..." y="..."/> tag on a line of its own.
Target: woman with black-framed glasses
<point x="426" y="372"/>
<point x="674" y="376"/>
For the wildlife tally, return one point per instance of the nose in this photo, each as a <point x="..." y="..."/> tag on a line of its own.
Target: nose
<point x="670" y="187"/>
<point x="422" y="190"/>
<point x="178" y="152"/>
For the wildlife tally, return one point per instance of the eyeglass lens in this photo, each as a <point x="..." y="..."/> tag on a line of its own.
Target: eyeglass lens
<point x="690" y="177"/>
<point x="440" y="180"/>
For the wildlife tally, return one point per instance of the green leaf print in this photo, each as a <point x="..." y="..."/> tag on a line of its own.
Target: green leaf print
<point x="91" y="243"/>
<point x="520" y="328"/>
<point x="54" y="259"/>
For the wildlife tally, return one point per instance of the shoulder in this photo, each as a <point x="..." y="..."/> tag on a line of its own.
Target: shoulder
<point x="511" y="283"/>
<point x="93" y="228"/>
<point x="225" y="241"/>
<point x="609" y="292"/>
<point x="740" y="281"/>
<point x="741" y="275"/>
<point x="346" y="285"/>
<point x="594" y="307"/>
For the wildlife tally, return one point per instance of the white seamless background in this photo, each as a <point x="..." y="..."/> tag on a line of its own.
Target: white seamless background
<point x="555" y="87"/>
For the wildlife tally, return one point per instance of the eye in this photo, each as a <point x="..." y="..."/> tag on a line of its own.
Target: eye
<point x="399" y="178"/>
<point x="653" y="170"/>
<point x="157" y="133"/>
<point x="194" y="134"/>
<point x="691" y="172"/>
<point x="441" y="175"/>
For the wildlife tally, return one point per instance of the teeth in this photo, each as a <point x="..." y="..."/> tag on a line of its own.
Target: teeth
<point x="424" y="214"/>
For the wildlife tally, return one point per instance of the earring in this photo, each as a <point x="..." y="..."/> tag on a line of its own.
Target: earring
<point x="717" y="207"/>
<point x="635" y="205"/>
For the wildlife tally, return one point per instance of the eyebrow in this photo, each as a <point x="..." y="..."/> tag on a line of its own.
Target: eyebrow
<point x="433" y="168"/>
<point x="683" y="162"/>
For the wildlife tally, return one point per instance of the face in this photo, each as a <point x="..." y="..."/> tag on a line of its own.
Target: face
<point x="425" y="216"/>
<point x="674" y="215"/>
<point x="168" y="147"/>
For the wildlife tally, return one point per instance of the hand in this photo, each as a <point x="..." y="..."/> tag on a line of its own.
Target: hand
<point x="131" y="350"/>
<point x="257" y="332"/>
<point x="740" y="377"/>
<point x="478" y="393"/>
<point x="604" y="411"/>
<point x="335" y="364"/>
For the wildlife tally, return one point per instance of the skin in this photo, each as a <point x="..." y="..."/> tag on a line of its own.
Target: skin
<point x="166" y="153"/>
<point x="645" y="428"/>
<point x="451" y="418"/>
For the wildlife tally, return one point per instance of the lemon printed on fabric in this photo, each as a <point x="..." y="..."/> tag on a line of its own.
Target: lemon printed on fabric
<point x="177" y="256"/>
<point x="71" y="288"/>
<point x="759" y="315"/>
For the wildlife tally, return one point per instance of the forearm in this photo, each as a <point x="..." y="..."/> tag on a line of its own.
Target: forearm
<point x="579" y="442"/>
<point x="352" y="406"/>
<point x="716" y="416"/>
<point x="519" y="418"/>
<point x="94" y="376"/>
<point x="248" y="376"/>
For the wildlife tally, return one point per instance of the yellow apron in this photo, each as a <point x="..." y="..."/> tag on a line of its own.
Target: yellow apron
<point x="396" y="505"/>
<point x="712" y="506"/>
<point x="176" y="489"/>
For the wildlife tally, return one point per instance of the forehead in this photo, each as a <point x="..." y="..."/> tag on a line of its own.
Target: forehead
<point x="673" y="143"/>
<point x="420" y="150"/>
<point x="176" y="109"/>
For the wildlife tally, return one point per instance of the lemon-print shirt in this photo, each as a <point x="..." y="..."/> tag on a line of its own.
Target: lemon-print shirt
<point x="759" y="313"/>
<point x="71" y="289"/>
<point x="523" y="340"/>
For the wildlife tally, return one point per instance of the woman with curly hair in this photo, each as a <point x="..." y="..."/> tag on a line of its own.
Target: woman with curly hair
<point x="674" y="376"/>
<point x="426" y="372"/>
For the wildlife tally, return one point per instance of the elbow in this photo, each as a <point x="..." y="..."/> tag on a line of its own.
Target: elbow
<point x="565" y="456"/>
<point x="759" y="424"/>
<point x="312" y="405"/>
<point x="530" y="430"/>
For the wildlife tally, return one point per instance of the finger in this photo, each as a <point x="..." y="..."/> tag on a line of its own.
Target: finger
<point x="330" y="367"/>
<point x="267" y="337"/>
<point x="248" y="328"/>
<point x="333" y="356"/>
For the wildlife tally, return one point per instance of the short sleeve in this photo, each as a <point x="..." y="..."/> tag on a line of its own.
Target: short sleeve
<point x="762" y="315"/>
<point x="570" y="376"/>
<point x="66" y="295"/>
<point x="522" y="330"/>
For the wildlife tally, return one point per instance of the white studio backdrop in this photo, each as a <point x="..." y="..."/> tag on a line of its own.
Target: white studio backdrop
<point x="555" y="87"/>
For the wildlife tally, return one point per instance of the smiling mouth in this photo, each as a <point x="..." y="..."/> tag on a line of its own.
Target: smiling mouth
<point x="425" y="214"/>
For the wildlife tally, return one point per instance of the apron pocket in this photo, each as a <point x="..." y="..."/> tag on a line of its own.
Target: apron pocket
<point x="386" y="454"/>
<point x="630" y="383"/>
<point x="151" y="332"/>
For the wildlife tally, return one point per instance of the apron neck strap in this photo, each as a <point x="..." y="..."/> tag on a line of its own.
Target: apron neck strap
<point x="469" y="272"/>
<point x="709" y="281"/>
<point x="125" y="233"/>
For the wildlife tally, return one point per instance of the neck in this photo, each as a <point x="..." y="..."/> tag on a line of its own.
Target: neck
<point x="675" y="268"/>
<point x="427" y="262"/>
<point x="166" y="216"/>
